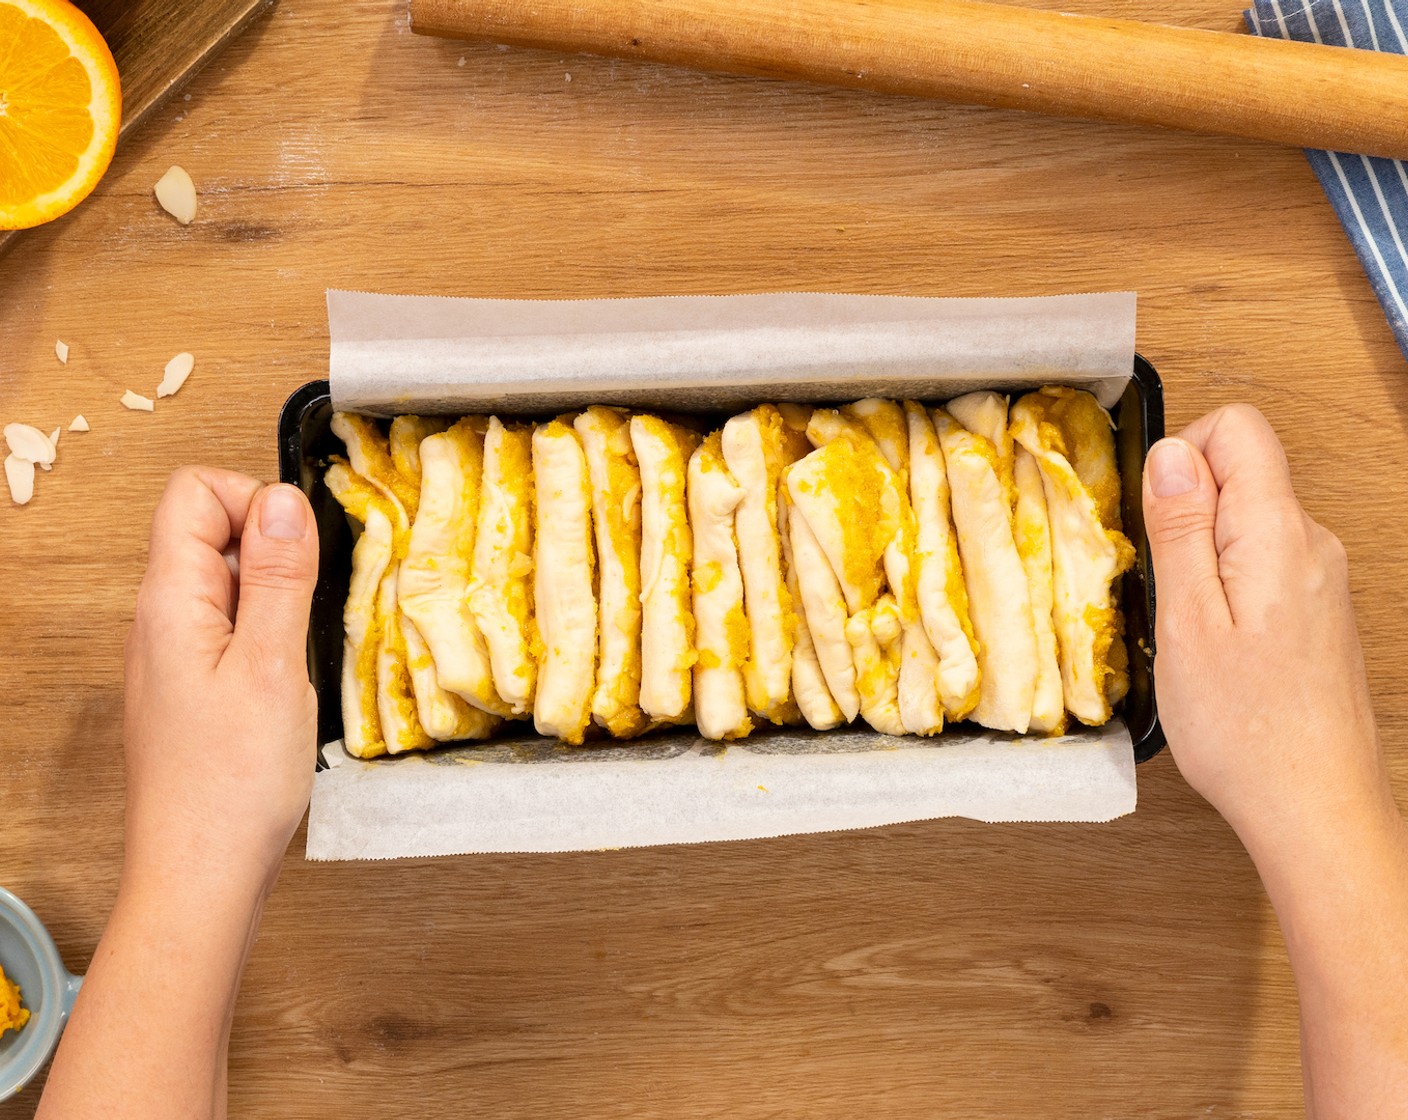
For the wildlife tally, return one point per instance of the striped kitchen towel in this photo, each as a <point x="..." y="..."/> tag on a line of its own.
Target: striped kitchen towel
<point x="1370" y="195"/>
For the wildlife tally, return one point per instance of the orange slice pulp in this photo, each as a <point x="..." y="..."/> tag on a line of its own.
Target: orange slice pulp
<point x="60" y="107"/>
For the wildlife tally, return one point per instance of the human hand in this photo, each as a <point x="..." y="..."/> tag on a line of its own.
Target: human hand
<point x="220" y="728"/>
<point x="1259" y="674"/>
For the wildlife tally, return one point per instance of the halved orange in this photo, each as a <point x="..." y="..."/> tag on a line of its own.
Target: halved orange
<point x="60" y="108"/>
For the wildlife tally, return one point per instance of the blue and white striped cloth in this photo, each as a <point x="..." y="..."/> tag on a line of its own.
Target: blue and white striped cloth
<point x="1370" y="195"/>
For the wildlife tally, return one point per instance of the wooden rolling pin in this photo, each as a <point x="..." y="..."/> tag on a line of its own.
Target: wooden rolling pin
<point x="986" y="54"/>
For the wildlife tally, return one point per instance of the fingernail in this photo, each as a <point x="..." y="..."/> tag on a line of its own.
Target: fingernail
<point x="1171" y="469"/>
<point x="284" y="515"/>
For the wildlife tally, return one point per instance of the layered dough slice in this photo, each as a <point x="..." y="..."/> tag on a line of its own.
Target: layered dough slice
<point x="985" y="414"/>
<point x="757" y="447"/>
<point x="877" y="428"/>
<point x="920" y="703"/>
<point x="884" y="422"/>
<point x="842" y="492"/>
<point x="875" y="634"/>
<point x="500" y="590"/>
<point x="838" y="490"/>
<point x="445" y="715"/>
<point x="615" y="483"/>
<point x="563" y="592"/>
<point x="434" y="577"/>
<point x="397" y="704"/>
<point x="810" y="691"/>
<point x="939" y="587"/>
<point x="920" y="689"/>
<point x="667" y="619"/>
<point x="1083" y="432"/>
<point x="1088" y="550"/>
<point x="415" y="707"/>
<point x="1031" y="529"/>
<point x="824" y="611"/>
<point x="371" y="555"/>
<point x="404" y="441"/>
<point x="369" y="452"/>
<point x="721" y="630"/>
<point x="999" y="599"/>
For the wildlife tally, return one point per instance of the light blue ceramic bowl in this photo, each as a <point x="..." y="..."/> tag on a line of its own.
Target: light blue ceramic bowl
<point x="31" y="959"/>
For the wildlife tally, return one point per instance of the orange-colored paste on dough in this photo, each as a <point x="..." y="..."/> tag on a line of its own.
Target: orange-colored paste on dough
<point x="12" y="1015"/>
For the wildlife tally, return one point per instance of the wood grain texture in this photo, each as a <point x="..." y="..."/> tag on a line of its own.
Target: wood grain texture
<point x="977" y="53"/>
<point x="938" y="969"/>
<point x="158" y="45"/>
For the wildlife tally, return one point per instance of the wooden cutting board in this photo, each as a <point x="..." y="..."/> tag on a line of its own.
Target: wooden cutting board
<point x="158" y="45"/>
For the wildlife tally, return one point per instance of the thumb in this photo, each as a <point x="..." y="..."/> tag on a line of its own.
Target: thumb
<point x="277" y="570"/>
<point x="1180" y="516"/>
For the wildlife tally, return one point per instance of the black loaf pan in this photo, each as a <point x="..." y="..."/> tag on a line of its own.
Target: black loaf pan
<point x="306" y="441"/>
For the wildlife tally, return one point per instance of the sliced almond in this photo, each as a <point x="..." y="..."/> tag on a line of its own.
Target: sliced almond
<point x="177" y="195"/>
<point x="137" y="403"/>
<point x="78" y="424"/>
<point x="61" y="351"/>
<point x="19" y="473"/>
<point x="54" y="439"/>
<point x="29" y="443"/>
<point x="177" y="370"/>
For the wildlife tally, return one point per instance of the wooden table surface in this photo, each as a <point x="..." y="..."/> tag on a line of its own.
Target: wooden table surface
<point x="938" y="969"/>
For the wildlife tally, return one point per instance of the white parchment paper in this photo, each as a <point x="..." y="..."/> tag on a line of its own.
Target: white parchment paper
<point x="393" y="354"/>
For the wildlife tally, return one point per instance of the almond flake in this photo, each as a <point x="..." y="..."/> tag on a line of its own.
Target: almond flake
<point x="19" y="473"/>
<point x="177" y="370"/>
<point x="79" y="424"/>
<point x="29" y="443"/>
<point x="54" y="437"/>
<point x="61" y="351"/>
<point x="137" y="403"/>
<point x="177" y="195"/>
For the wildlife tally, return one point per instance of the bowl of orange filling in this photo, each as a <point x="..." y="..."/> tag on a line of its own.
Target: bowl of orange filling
<point x="36" y="994"/>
